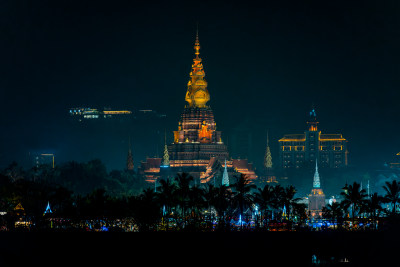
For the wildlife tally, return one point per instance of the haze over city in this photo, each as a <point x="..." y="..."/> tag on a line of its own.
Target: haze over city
<point x="266" y="65"/>
<point x="181" y="131"/>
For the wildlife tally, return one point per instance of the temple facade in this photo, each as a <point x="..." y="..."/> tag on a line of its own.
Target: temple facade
<point x="299" y="150"/>
<point x="197" y="147"/>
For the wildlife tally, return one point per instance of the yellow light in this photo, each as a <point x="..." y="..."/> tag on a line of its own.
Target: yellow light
<point x="114" y="112"/>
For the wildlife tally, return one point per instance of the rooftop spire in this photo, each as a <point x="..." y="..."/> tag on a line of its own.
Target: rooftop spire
<point x="165" y="161"/>
<point x="225" y="177"/>
<point x="316" y="182"/>
<point x="129" y="160"/>
<point x="197" y="94"/>
<point x="312" y="120"/>
<point x="268" y="156"/>
<point x="197" y="42"/>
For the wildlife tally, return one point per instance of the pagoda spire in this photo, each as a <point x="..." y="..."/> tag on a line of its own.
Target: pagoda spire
<point x="197" y="94"/>
<point x="268" y="156"/>
<point x="316" y="182"/>
<point x="225" y="177"/>
<point x="48" y="209"/>
<point x="165" y="161"/>
<point x="129" y="161"/>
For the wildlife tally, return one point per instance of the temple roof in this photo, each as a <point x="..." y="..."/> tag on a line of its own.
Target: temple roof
<point x="151" y="163"/>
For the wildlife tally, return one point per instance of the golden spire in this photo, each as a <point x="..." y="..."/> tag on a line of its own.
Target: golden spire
<point x="197" y="94"/>
<point x="197" y="44"/>
<point x="268" y="157"/>
<point x="165" y="161"/>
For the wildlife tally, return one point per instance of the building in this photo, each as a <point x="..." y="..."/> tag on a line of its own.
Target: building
<point x="197" y="146"/>
<point x="316" y="200"/>
<point x="86" y="113"/>
<point x="300" y="150"/>
<point x="44" y="159"/>
<point x="395" y="164"/>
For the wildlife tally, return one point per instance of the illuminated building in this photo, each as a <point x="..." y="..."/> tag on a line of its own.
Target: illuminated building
<point x="197" y="147"/>
<point x="316" y="200"/>
<point x="150" y="169"/>
<point x="44" y="159"/>
<point x="86" y="113"/>
<point x="299" y="150"/>
<point x="396" y="162"/>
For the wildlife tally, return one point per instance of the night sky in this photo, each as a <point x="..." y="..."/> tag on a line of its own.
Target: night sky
<point x="266" y="65"/>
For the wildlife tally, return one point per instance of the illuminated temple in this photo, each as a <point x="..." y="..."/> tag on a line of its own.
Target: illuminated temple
<point x="197" y="146"/>
<point x="299" y="150"/>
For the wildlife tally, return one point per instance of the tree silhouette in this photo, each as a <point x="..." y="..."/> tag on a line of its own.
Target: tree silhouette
<point x="265" y="199"/>
<point x="182" y="193"/>
<point x="392" y="194"/>
<point x="354" y="198"/>
<point x="333" y="212"/>
<point x="222" y="203"/>
<point x="242" y="196"/>
<point x="145" y="209"/>
<point x="167" y="198"/>
<point x="373" y="206"/>
<point x="288" y="199"/>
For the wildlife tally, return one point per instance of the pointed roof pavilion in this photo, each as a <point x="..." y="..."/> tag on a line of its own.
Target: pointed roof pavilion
<point x="48" y="209"/>
<point x="316" y="181"/>
<point x="225" y="177"/>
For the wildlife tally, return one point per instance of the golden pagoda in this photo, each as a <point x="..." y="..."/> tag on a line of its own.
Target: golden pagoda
<point x="197" y="147"/>
<point x="197" y="94"/>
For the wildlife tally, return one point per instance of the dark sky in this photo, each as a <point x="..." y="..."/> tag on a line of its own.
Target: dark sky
<point x="265" y="64"/>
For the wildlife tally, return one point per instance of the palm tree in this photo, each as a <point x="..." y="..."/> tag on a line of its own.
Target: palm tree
<point x="196" y="201"/>
<point x="265" y="198"/>
<point x="221" y="203"/>
<point x="354" y="197"/>
<point x="145" y="209"/>
<point x="333" y="211"/>
<point x="288" y="200"/>
<point x="277" y="199"/>
<point x="183" y="191"/>
<point x="242" y="196"/>
<point x="392" y="194"/>
<point x="373" y="206"/>
<point x="209" y="194"/>
<point x="167" y="198"/>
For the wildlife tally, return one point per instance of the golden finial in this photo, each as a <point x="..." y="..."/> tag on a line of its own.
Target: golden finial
<point x="197" y="43"/>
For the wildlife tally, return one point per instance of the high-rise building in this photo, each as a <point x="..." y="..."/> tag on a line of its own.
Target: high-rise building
<point x="316" y="200"/>
<point x="197" y="146"/>
<point x="299" y="150"/>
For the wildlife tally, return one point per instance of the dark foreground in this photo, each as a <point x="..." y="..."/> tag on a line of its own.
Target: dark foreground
<point x="200" y="249"/>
